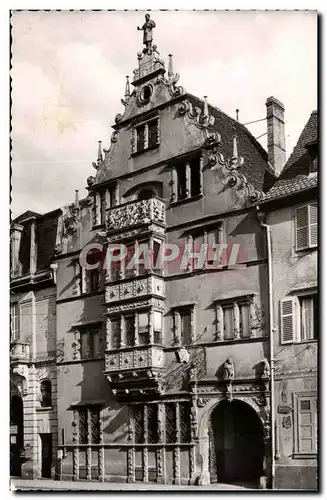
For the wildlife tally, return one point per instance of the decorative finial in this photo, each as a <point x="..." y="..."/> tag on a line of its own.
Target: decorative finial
<point x="127" y="89"/>
<point x="205" y="107"/>
<point x="170" y="66"/>
<point x="147" y="33"/>
<point x="237" y="112"/>
<point x="76" y="199"/>
<point x="100" y="151"/>
<point x="235" y="151"/>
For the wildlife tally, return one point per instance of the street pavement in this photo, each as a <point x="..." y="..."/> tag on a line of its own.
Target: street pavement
<point x="48" y="484"/>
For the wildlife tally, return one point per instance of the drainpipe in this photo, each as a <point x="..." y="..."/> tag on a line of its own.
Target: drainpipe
<point x="261" y="217"/>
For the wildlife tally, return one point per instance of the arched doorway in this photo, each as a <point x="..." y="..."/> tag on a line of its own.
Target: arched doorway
<point x="236" y="443"/>
<point x="16" y="435"/>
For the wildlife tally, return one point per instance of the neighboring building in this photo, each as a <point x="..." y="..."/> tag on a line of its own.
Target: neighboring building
<point x="33" y="373"/>
<point x="163" y="374"/>
<point x="163" y="371"/>
<point x="291" y="209"/>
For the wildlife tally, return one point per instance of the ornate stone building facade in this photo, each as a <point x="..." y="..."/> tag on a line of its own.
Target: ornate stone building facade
<point x="164" y="370"/>
<point x="33" y="372"/>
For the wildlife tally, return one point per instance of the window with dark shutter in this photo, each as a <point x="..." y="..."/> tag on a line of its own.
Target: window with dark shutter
<point x="186" y="333"/>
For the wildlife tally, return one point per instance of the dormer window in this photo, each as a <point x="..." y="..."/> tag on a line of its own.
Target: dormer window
<point x="145" y="136"/>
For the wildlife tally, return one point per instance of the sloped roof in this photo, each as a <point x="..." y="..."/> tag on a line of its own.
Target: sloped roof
<point x="285" y="187"/>
<point x="255" y="167"/>
<point x="299" y="159"/>
<point x="295" y="176"/>
<point x="26" y="215"/>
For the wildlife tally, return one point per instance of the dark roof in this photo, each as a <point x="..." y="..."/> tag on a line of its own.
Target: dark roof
<point x="299" y="160"/>
<point x="295" y="177"/>
<point x="45" y="235"/>
<point x="26" y="215"/>
<point x="255" y="168"/>
<point x="285" y="187"/>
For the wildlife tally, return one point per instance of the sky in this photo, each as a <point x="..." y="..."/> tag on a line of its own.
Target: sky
<point x="68" y="77"/>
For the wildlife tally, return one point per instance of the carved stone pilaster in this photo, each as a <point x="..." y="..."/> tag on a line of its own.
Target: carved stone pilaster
<point x="75" y="464"/>
<point x="131" y="465"/>
<point x="176" y="465"/>
<point x="145" y="464"/>
<point x="101" y="464"/>
<point x="204" y="478"/>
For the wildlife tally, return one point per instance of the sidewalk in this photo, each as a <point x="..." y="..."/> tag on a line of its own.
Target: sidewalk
<point x="48" y="484"/>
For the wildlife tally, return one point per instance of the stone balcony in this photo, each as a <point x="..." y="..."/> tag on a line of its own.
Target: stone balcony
<point x="136" y="213"/>
<point x="19" y="352"/>
<point x="135" y="371"/>
<point x="137" y="288"/>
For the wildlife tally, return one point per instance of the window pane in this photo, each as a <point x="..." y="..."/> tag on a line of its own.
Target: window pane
<point x="15" y="321"/>
<point x="152" y="131"/>
<point x="185" y="424"/>
<point x="129" y="271"/>
<point x="95" y="425"/>
<point x="170" y="423"/>
<point x="306" y="445"/>
<point x="181" y="179"/>
<point x="244" y="320"/>
<point x="195" y="177"/>
<point x="115" y="333"/>
<point x="140" y="138"/>
<point x="85" y="345"/>
<point x="103" y="207"/>
<point x="228" y="323"/>
<point x="130" y="330"/>
<point x="186" y="327"/>
<point x="143" y="322"/>
<point x="305" y="405"/>
<point x="157" y="326"/>
<point x="152" y="423"/>
<point x="46" y="393"/>
<point x="139" y="424"/>
<point x="83" y="428"/>
<point x="94" y="343"/>
<point x="156" y="257"/>
<point x="307" y="318"/>
<point x="305" y="419"/>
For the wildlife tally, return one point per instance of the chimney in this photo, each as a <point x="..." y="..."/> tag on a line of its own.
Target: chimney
<point x="276" y="134"/>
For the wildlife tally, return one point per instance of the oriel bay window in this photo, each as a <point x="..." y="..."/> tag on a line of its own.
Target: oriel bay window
<point x="235" y="318"/>
<point x="133" y="329"/>
<point x="91" y="342"/>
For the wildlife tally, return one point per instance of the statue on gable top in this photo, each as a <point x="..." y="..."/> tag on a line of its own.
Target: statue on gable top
<point x="147" y="33"/>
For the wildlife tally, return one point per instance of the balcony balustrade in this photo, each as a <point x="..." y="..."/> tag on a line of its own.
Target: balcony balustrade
<point x="151" y="285"/>
<point x="19" y="351"/>
<point x="136" y="213"/>
<point x="136" y="358"/>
